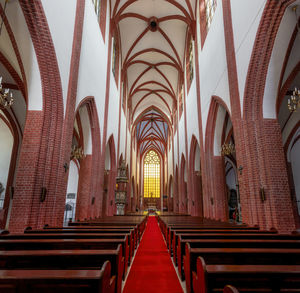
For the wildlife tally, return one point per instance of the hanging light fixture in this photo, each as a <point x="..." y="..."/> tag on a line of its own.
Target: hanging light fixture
<point x="77" y="153"/>
<point x="6" y="97"/>
<point x="294" y="101"/>
<point x="294" y="8"/>
<point x="227" y="149"/>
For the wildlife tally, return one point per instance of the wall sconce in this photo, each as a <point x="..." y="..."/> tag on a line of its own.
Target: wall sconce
<point x="240" y="169"/>
<point x="262" y="194"/>
<point x="43" y="194"/>
<point x="66" y="167"/>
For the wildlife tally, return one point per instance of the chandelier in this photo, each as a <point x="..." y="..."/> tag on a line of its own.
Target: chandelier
<point x="294" y="101"/>
<point x="77" y="153"/>
<point x="227" y="149"/>
<point x="6" y="97"/>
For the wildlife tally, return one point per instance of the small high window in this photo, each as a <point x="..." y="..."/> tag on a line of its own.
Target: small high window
<point x="210" y="7"/>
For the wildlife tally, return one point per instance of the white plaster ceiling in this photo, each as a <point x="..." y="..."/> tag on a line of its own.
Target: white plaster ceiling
<point x="153" y="55"/>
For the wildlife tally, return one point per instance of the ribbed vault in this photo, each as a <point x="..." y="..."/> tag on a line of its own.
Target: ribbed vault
<point x="153" y="37"/>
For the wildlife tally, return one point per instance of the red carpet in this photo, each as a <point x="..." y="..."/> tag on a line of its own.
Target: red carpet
<point x="152" y="269"/>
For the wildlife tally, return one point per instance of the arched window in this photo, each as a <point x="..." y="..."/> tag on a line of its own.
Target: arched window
<point x="152" y="175"/>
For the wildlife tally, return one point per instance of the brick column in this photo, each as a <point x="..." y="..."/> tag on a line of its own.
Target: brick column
<point x="264" y="166"/>
<point x="84" y="188"/>
<point x="25" y="204"/>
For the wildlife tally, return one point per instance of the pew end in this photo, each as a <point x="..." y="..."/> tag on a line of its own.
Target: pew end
<point x="199" y="277"/>
<point x="4" y="232"/>
<point x="230" y="289"/>
<point x="108" y="282"/>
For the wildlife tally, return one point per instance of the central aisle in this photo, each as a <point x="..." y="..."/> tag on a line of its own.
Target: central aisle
<point x="152" y="269"/>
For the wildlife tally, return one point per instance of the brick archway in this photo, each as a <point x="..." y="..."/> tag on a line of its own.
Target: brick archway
<point x="260" y="139"/>
<point x="42" y="127"/>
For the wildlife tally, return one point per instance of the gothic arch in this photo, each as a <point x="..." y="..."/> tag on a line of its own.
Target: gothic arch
<point x="111" y="173"/>
<point x="215" y="205"/>
<point x="260" y="59"/>
<point x="195" y="179"/>
<point x="46" y="173"/>
<point x="88" y="199"/>
<point x="183" y="196"/>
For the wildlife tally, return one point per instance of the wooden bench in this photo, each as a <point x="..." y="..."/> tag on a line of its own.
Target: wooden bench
<point x="69" y="244"/>
<point x="237" y="256"/>
<point x="90" y="229"/>
<point x="31" y="236"/>
<point x="231" y="240"/>
<point x="246" y="278"/>
<point x="84" y="233"/>
<point x="172" y="231"/>
<point x="59" y="281"/>
<point x="64" y="260"/>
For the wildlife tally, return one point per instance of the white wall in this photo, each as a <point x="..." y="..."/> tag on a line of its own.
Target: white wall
<point x="86" y="129"/>
<point x="93" y="62"/>
<point x="72" y="188"/>
<point x="63" y="42"/>
<point x="277" y="58"/>
<point x="22" y="36"/>
<point x="213" y="66"/>
<point x="246" y="16"/>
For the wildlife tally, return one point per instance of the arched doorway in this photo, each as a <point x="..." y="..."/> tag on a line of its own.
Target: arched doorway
<point x="70" y="205"/>
<point x="109" y="178"/>
<point x="219" y="137"/>
<point x="196" y="206"/>
<point x="183" y="196"/>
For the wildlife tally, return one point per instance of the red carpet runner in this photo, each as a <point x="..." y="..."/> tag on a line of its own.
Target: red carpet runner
<point x="152" y="269"/>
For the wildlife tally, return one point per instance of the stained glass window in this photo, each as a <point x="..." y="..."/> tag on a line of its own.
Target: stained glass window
<point x="210" y="7"/>
<point x="152" y="175"/>
<point x="97" y="6"/>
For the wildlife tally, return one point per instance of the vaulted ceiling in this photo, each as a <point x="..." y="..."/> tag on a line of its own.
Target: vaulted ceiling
<point x="152" y="43"/>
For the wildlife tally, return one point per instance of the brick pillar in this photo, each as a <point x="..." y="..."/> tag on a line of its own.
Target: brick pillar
<point x="84" y="188"/>
<point x="264" y="167"/>
<point x="26" y="199"/>
<point x="111" y="208"/>
<point x="218" y="187"/>
<point x="198" y="195"/>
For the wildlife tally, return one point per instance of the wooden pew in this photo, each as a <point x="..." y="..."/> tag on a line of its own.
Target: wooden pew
<point x="188" y="222"/>
<point x="69" y="244"/>
<point x="230" y="289"/>
<point x="140" y="221"/>
<point x="237" y="256"/>
<point x="60" y="235"/>
<point x="84" y="233"/>
<point x="64" y="260"/>
<point x="172" y="231"/>
<point x="196" y="240"/>
<point x="246" y="278"/>
<point x="90" y="229"/>
<point x="59" y="281"/>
